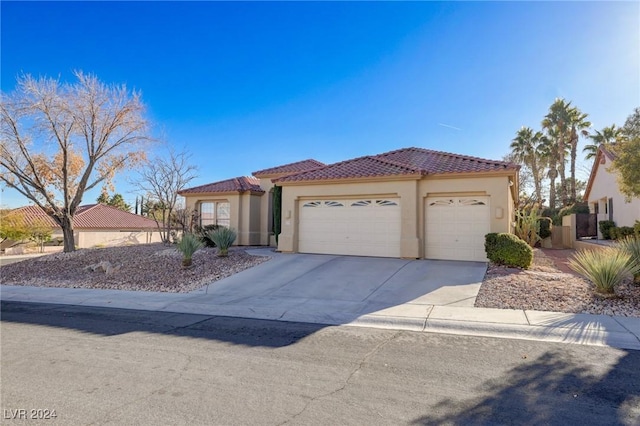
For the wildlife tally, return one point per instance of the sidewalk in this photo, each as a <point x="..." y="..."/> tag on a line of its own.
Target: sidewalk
<point x="600" y="330"/>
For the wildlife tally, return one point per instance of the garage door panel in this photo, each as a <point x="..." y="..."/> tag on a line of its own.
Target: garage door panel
<point x="455" y="227"/>
<point x="354" y="227"/>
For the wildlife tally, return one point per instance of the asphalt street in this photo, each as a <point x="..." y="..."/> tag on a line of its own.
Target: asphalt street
<point x="114" y="366"/>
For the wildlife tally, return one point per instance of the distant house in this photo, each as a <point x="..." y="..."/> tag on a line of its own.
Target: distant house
<point x="408" y="203"/>
<point x="99" y="224"/>
<point x="604" y="196"/>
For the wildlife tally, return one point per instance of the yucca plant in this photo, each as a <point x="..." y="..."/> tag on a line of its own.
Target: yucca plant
<point x="631" y="246"/>
<point x="188" y="245"/>
<point x="223" y="238"/>
<point x="605" y="268"/>
<point x="528" y="225"/>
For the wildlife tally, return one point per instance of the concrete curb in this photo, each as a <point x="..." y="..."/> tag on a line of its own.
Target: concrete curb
<point x="597" y="330"/>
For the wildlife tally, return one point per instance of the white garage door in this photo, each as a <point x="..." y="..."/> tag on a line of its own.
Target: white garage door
<point x="456" y="226"/>
<point x="361" y="227"/>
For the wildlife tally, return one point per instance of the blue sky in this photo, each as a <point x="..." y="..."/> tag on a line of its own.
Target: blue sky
<point x="246" y="86"/>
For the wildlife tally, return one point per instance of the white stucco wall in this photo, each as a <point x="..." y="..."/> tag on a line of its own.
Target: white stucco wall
<point x="604" y="187"/>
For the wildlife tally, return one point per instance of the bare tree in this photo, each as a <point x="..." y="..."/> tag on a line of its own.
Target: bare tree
<point x="161" y="179"/>
<point x="59" y="140"/>
<point x="186" y="219"/>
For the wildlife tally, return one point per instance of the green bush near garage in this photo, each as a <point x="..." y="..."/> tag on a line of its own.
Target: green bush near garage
<point x="508" y="250"/>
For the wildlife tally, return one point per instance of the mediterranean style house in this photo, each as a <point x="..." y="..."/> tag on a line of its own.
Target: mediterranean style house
<point x="408" y="203"/>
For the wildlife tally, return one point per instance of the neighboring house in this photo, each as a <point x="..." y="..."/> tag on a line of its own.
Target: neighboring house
<point x="409" y="203"/>
<point x="603" y="194"/>
<point x="99" y="224"/>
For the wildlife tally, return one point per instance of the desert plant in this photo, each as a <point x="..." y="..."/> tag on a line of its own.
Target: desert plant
<point x="631" y="246"/>
<point x="636" y="229"/>
<point x="528" y="225"/>
<point x="509" y="250"/>
<point x="188" y="245"/>
<point x="223" y="237"/>
<point x="605" y="226"/>
<point x="203" y="233"/>
<point x="605" y="268"/>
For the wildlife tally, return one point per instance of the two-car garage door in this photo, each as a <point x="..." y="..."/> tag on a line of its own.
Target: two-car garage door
<point x="359" y="226"/>
<point x="454" y="227"/>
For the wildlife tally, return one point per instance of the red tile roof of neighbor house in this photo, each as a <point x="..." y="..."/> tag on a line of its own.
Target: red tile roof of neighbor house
<point x="299" y="166"/>
<point x="92" y="216"/>
<point x="406" y="161"/>
<point x="239" y="184"/>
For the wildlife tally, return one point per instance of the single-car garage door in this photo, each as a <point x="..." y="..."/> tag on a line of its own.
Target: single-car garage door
<point x="455" y="227"/>
<point x="361" y="227"/>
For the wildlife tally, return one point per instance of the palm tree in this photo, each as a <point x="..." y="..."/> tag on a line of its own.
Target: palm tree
<point x="606" y="136"/>
<point x="579" y="126"/>
<point x="549" y="154"/>
<point x="526" y="149"/>
<point x="556" y="123"/>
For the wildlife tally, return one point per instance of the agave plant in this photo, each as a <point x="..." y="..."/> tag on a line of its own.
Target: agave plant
<point x="188" y="245"/>
<point x="631" y="246"/>
<point x="223" y="238"/>
<point x="605" y="268"/>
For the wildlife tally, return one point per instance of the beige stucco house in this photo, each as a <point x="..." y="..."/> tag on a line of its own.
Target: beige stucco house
<point x="409" y="203"/>
<point x="603" y="194"/>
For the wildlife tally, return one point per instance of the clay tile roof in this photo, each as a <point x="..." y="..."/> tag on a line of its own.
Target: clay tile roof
<point x="357" y="168"/>
<point x="239" y="184"/>
<point x="93" y="216"/>
<point x="435" y="162"/>
<point x="300" y="166"/>
<point x="34" y="214"/>
<point x="406" y="161"/>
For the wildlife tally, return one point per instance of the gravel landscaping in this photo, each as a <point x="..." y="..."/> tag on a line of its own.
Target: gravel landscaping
<point x="157" y="267"/>
<point x="144" y="267"/>
<point x="545" y="287"/>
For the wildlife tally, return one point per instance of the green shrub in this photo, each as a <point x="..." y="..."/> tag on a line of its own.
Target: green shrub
<point x="631" y="246"/>
<point x="574" y="208"/>
<point x="605" y="268"/>
<point x="618" y="233"/>
<point x="624" y="231"/>
<point x="188" y="245"/>
<point x="223" y="238"/>
<point x="604" y="226"/>
<point x="636" y="229"/>
<point x="545" y="227"/>
<point x="490" y="244"/>
<point x="613" y="232"/>
<point x="509" y="250"/>
<point x="203" y="233"/>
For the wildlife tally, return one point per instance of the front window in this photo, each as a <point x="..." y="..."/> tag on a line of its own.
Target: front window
<point x="215" y="213"/>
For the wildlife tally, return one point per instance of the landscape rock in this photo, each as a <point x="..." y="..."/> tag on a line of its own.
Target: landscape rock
<point x="144" y="267"/>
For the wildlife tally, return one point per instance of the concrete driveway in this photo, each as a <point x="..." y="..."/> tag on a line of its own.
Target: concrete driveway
<point x="303" y="285"/>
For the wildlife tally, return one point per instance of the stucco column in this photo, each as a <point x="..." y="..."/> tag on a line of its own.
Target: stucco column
<point x="410" y="243"/>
